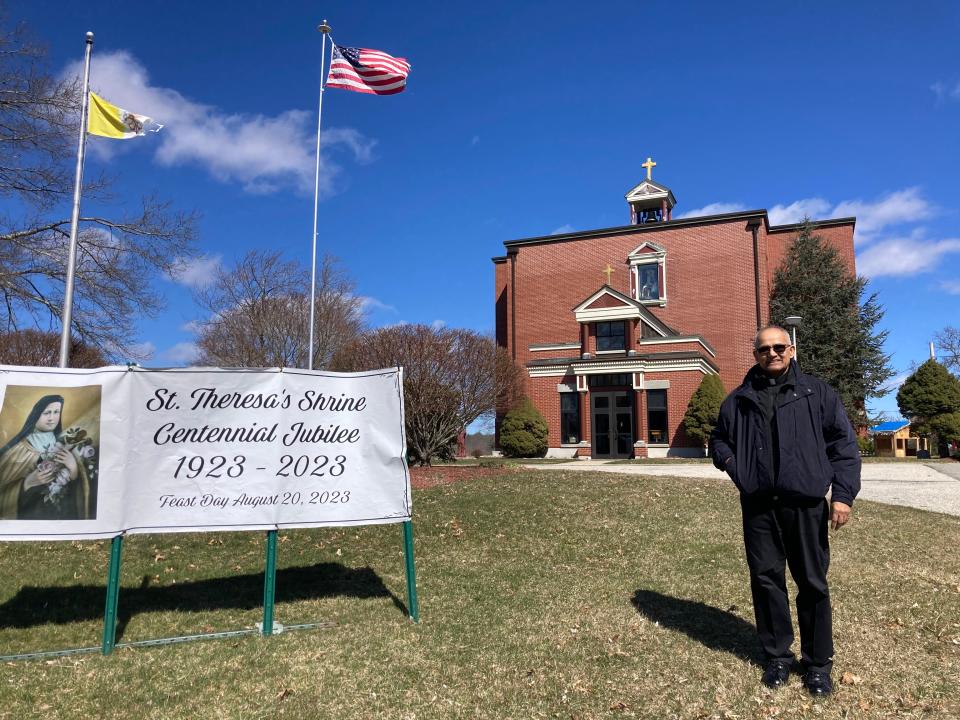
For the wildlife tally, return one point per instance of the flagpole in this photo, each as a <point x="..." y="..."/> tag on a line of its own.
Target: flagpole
<point x="325" y="29"/>
<point x="67" y="317"/>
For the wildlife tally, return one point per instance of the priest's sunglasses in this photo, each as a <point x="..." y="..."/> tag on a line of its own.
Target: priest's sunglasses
<point x="778" y="349"/>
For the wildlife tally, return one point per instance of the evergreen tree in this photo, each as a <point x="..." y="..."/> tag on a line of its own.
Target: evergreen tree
<point x="931" y="399"/>
<point x="704" y="408"/>
<point x="947" y="429"/>
<point x="838" y="341"/>
<point x="523" y="432"/>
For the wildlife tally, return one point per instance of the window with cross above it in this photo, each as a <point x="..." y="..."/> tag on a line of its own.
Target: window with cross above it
<point x="611" y="336"/>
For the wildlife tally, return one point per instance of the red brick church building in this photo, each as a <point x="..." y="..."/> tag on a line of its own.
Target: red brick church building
<point x="616" y="327"/>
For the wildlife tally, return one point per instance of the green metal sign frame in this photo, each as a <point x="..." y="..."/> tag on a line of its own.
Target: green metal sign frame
<point x="266" y="629"/>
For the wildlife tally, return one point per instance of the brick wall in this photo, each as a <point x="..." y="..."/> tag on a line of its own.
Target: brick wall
<point x="710" y="291"/>
<point x="543" y="392"/>
<point x="841" y="238"/>
<point x="682" y="387"/>
<point x="709" y="285"/>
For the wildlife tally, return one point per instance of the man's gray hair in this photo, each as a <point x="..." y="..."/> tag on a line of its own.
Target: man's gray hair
<point x="756" y="337"/>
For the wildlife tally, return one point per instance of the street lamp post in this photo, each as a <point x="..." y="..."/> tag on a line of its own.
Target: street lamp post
<point x="792" y="322"/>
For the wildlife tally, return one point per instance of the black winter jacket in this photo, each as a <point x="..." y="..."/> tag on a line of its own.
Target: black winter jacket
<point x="818" y="447"/>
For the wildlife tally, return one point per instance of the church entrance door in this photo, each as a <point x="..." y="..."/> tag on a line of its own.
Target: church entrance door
<point x="611" y="415"/>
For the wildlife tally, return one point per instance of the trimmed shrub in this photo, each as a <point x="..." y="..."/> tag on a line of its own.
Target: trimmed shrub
<point x="524" y="431"/>
<point x="704" y="408"/>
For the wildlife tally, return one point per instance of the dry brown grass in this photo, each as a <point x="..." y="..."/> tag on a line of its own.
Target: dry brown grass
<point x="569" y="595"/>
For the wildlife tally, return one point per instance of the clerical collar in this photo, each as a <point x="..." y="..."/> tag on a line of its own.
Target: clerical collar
<point x="762" y="380"/>
<point x="784" y="378"/>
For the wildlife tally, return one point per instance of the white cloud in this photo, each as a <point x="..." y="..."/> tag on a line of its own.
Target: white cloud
<point x="944" y="92"/>
<point x="814" y="208"/>
<point x="904" y="256"/>
<point x="143" y="351"/>
<point x="718" y="208"/>
<point x="951" y="286"/>
<point x="562" y="230"/>
<point x="182" y="353"/>
<point x="895" y="382"/>
<point x="195" y="272"/>
<point x="896" y="208"/>
<point x="193" y="327"/>
<point x="263" y="153"/>
<point x="438" y="324"/>
<point x="361" y="146"/>
<point x="369" y="304"/>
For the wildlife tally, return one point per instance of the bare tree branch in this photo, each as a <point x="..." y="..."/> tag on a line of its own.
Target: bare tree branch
<point x="118" y="257"/>
<point x="948" y="341"/>
<point x="451" y="378"/>
<point x="259" y="313"/>
<point x="42" y="349"/>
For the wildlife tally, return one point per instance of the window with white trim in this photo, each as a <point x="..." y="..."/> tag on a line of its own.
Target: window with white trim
<point x="648" y="281"/>
<point x="648" y="265"/>
<point x="611" y="336"/>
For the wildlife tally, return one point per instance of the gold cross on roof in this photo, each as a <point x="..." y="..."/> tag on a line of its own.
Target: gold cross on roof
<point x="649" y="165"/>
<point x="609" y="272"/>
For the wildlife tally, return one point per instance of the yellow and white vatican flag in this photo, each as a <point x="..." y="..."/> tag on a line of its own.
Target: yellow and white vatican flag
<point x="108" y="120"/>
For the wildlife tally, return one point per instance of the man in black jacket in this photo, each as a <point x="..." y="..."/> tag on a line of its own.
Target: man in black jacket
<point x="784" y="439"/>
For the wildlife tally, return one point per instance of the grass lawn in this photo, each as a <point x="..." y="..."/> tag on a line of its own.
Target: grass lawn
<point x="934" y="459"/>
<point x="543" y="595"/>
<point x="664" y="461"/>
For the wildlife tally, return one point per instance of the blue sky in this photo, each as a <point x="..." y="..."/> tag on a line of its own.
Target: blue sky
<point x="523" y="119"/>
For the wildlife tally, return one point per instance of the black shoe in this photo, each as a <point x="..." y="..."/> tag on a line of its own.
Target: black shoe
<point x="776" y="673"/>
<point x="818" y="683"/>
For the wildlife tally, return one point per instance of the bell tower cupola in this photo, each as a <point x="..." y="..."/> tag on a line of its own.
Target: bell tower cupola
<point x="650" y="202"/>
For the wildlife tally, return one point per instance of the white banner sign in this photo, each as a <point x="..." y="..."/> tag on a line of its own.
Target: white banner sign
<point x="93" y="453"/>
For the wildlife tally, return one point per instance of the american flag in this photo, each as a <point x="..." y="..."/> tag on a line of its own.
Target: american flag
<point x="367" y="71"/>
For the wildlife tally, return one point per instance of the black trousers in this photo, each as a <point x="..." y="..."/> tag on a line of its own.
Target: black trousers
<point x="778" y="532"/>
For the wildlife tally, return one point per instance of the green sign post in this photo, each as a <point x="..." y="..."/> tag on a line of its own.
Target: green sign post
<point x="269" y="583"/>
<point x="413" y="607"/>
<point x="113" y="596"/>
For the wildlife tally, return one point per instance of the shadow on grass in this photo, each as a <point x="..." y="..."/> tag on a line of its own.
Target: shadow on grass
<point x="40" y="605"/>
<point x="710" y="626"/>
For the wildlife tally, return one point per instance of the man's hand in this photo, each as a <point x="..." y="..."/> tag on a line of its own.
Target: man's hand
<point x="839" y="514"/>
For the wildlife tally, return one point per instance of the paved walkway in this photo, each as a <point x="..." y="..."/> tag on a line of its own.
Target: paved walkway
<point x="927" y="486"/>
